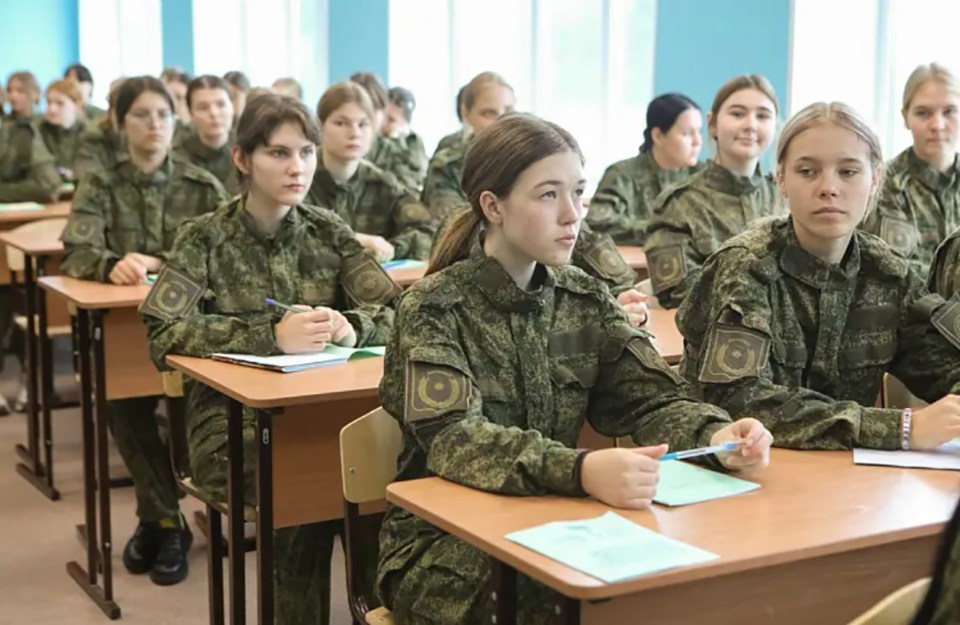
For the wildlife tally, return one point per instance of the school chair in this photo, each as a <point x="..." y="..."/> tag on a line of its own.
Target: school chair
<point x="896" y="395"/>
<point x="210" y="522"/>
<point x="897" y="608"/>
<point x="369" y="447"/>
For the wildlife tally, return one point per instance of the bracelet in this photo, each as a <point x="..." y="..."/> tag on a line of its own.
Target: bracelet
<point x="906" y="425"/>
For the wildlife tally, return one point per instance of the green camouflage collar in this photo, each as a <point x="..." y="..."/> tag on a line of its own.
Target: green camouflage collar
<point x="804" y="266"/>
<point x="199" y="150"/>
<point x="721" y="179"/>
<point x="288" y="229"/>
<point x="329" y="186"/>
<point x="501" y="289"/>
<point x="928" y="175"/>
<point x="129" y="172"/>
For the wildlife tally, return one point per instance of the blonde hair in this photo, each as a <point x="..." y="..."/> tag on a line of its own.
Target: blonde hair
<point x="742" y="83"/>
<point x="843" y="116"/>
<point x="28" y="82"/>
<point x="344" y="93"/>
<point x="923" y="74"/>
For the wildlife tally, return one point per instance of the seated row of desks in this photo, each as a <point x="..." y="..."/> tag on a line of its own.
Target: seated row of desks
<point x="821" y="541"/>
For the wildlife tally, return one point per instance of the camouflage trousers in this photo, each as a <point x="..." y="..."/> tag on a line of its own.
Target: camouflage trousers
<point x="133" y="423"/>
<point x="452" y="583"/>
<point x="302" y="554"/>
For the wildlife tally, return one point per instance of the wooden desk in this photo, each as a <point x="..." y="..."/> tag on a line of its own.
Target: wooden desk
<point x="822" y="541"/>
<point x="407" y="276"/>
<point x="11" y="219"/>
<point x="634" y="256"/>
<point x="662" y="324"/>
<point x="298" y="427"/>
<point x="109" y="331"/>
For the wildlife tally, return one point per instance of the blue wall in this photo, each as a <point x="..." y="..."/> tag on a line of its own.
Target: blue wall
<point x="359" y="38"/>
<point x="176" y="18"/>
<point x="39" y="35"/>
<point x="703" y="43"/>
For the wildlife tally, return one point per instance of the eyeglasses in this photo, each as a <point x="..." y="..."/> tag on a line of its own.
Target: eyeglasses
<point x="162" y="118"/>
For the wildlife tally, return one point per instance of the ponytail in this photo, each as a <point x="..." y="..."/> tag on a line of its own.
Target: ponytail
<point x="454" y="242"/>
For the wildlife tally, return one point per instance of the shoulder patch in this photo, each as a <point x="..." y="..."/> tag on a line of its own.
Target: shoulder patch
<point x="947" y="320"/>
<point x="172" y="296"/>
<point x="434" y="390"/>
<point x="82" y="228"/>
<point x="367" y="283"/>
<point x="734" y="352"/>
<point x="606" y="259"/>
<point x="667" y="267"/>
<point x="898" y="234"/>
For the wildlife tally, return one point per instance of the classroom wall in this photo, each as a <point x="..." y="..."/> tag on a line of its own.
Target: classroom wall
<point x="176" y="18"/>
<point x="359" y="31"/>
<point x="41" y="36"/>
<point x="741" y="37"/>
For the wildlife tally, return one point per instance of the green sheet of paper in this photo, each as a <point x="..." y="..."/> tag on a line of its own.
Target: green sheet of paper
<point x="21" y="206"/>
<point x="682" y="484"/>
<point x="609" y="547"/>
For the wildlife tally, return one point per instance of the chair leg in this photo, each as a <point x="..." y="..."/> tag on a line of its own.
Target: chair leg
<point x="215" y="566"/>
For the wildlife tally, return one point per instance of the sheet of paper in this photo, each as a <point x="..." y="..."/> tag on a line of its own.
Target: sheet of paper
<point x="682" y="484"/>
<point x="20" y="206"/>
<point x="609" y="547"/>
<point x="288" y="363"/>
<point x="945" y="457"/>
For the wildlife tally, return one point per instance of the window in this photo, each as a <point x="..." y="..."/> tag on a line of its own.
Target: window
<point x="587" y="66"/>
<point x="119" y="38"/>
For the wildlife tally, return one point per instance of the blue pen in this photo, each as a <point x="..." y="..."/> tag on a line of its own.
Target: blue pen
<point x="701" y="451"/>
<point x="274" y="302"/>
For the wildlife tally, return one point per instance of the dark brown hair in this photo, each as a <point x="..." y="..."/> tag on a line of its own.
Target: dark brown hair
<point x="207" y="81"/>
<point x="375" y="88"/>
<point x="174" y="74"/>
<point x="264" y="114"/>
<point x="344" y="93"/>
<point x="238" y="80"/>
<point x="496" y="158"/>
<point x="133" y="88"/>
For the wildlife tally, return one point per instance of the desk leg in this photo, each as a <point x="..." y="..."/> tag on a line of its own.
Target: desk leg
<point x="32" y="469"/>
<point x="505" y="595"/>
<point x="87" y="579"/>
<point x="265" y="517"/>
<point x="235" y="550"/>
<point x="45" y="367"/>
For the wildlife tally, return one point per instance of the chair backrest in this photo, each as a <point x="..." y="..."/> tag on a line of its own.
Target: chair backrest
<point x="52" y="227"/>
<point x="896" y="394"/>
<point x="897" y="608"/>
<point x="369" y="447"/>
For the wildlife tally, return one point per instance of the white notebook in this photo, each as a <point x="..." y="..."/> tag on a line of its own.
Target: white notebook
<point x="944" y="457"/>
<point x="288" y="363"/>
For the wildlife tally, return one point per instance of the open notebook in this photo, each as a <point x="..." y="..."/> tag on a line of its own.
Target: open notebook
<point x="288" y="363"/>
<point x="20" y="206"/>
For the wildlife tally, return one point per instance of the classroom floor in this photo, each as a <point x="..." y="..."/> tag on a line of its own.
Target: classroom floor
<point x="37" y="538"/>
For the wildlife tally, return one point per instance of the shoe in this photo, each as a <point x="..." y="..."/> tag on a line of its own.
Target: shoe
<point x="141" y="550"/>
<point x="170" y="566"/>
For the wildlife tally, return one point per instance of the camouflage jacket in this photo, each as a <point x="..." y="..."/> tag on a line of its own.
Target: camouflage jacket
<point x="28" y="172"/>
<point x="917" y="208"/>
<point x="452" y="139"/>
<point x="694" y="218"/>
<point x="123" y="210"/>
<point x="393" y="156"/>
<point x="63" y="144"/>
<point x="491" y="385"/>
<point x="626" y="196"/>
<point x="374" y="202"/>
<point x="773" y="332"/>
<point x="101" y="148"/>
<point x="217" y="161"/>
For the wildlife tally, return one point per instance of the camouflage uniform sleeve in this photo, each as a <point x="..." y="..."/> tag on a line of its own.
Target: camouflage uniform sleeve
<point x="84" y="237"/>
<point x="414" y="227"/>
<point x="597" y="255"/>
<point x="945" y="270"/>
<point x="42" y="182"/>
<point x="441" y="189"/>
<point x="371" y="293"/>
<point x="432" y="391"/>
<point x="891" y="222"/>
<point x="637" y="393"/>
<point x="928" y="351"/>
<point x="673" y="259"/>
<point x="88" y="156"/>
<point x="727" y="345"/>
<point x="610" y="209"/>
<point x="173" y="310"/>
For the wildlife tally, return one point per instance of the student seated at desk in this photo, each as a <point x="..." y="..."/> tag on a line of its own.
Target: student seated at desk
<point x="101" y="144"/>
<point x="695" y="217"/>
<point x="496" y="359"/>
<point x="177" y="83"/>
<point x="63" y="124"/>
<point x="23" y="92"/>
<point x="396" y="125"/>
<point x="387" y="220"/>
<point x="458" y="136"/>
<point x="796" y="320"/>
<point x="207" y="143"/>
<point x="625" y="198"/>
<point x="223" y="267"/>
<point x="121" y="228"/>
<point x="239" y="88"/>
<point x="84" y="78"/>
<point x="28" y="172"/>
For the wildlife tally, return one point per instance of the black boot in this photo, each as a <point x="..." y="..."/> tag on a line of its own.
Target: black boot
<point x="170" y="566"/>
<point x="141" y="550"/>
